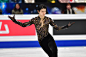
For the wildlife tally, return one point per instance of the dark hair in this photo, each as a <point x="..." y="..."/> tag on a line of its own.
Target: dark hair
<point x="42" y="6"/>
<point x="17" y="9"/>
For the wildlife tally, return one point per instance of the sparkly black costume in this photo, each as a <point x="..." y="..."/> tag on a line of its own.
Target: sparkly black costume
<point x="46" y="41"/>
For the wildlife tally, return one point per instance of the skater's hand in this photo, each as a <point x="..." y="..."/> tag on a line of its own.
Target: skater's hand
<point x="12" y="18"/>
<point x="71" y="23"/>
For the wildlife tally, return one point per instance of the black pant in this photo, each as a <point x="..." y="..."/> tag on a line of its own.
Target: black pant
<point x="49" y="46"/>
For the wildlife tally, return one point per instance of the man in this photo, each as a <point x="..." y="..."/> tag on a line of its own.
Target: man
<point x="69" y="10"/>
<point x="41" y="23"/>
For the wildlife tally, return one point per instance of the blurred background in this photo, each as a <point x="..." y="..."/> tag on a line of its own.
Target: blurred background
<point x="53" y="6"/>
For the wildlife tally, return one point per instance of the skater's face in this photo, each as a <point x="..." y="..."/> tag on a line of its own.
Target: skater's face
<point x="17" y="6"/>
<point x="42" y="12"/>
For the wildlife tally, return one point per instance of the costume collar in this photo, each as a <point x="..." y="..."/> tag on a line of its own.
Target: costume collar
<point x="43" y="18"/>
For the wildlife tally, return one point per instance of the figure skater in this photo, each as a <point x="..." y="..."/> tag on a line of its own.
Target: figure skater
<point x="41" y="23"/>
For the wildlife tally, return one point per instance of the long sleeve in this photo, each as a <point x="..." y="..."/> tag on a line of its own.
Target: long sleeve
<point x="57" y="27"/>
<point x="23" y="24"/>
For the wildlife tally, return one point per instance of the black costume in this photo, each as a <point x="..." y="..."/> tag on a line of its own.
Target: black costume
<point x="46" y="41"/>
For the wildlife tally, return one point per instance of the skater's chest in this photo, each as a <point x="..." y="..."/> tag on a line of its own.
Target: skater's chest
<point x="41" y="22"/>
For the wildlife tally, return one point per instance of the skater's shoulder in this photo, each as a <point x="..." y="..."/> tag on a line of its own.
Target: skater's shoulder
<point x="34" y="18"/>
<point x="37" y="17"/>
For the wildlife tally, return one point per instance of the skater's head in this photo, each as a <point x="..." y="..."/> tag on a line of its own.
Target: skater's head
<point x="42" y="9"/>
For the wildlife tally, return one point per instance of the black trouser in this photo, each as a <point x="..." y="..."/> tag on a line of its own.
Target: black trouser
<point x="49" y="46"/>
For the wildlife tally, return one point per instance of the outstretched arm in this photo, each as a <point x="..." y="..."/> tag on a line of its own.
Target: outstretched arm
<point x="59" y="27"/>
<point x="19" y="23"/>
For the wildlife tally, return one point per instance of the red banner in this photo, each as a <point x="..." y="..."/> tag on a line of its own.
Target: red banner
<point x="9" y="28"/>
